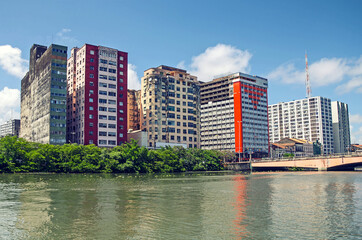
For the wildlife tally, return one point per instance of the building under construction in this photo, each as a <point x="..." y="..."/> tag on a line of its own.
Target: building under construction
<point x="170" y="107"/>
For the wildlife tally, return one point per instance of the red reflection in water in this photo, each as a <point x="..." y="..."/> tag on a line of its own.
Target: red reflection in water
<point x="240" y="204"/>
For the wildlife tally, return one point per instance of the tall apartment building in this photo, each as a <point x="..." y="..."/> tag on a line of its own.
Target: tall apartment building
<point x="97" y="96"/>
<point x="133" y="109"/>
<point x="10" y="128"/>
<point x="234" y="114"/>
<point x="43" y="96"/>
<point x="341" y="129"/>
<point x="170" y="107"/>
<point x="309" y="119"/>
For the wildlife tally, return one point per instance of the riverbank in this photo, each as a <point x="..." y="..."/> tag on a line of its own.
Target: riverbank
<point x="18" y="155"/>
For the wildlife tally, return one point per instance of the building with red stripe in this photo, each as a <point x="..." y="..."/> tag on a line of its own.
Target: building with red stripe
<point x="97" y="96"/>
<point x="234" y="114"/>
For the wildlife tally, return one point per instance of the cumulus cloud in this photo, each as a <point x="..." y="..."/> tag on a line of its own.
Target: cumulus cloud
<point x="11" y="61"/>
<point x="10" y="103"/>
<point x="326" y="71"/>
<point x="220" y="59"/>
<point x="321" y="73"/>
<point x="133" y="79"/>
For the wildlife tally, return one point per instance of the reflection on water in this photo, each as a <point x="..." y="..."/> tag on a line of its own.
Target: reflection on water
<point x="181" y="206"/>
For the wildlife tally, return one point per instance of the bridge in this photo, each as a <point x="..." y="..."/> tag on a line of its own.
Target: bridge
<point x="326" y="163"/>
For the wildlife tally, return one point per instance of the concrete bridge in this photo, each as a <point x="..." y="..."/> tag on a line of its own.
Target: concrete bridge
<point x="331" y="163"/>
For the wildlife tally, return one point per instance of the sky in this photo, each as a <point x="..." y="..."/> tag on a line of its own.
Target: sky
<point x="207" y="38"/>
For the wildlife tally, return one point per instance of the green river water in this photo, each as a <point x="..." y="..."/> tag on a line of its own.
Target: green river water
<point x="283" y="205"/>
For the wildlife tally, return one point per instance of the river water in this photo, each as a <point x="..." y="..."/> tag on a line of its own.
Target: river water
<point x="286" y="205"/>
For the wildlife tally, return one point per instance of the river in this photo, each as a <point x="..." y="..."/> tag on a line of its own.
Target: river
<point x="282" y="205"/>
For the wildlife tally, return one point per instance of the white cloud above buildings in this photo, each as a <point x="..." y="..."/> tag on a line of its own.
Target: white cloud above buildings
<point x="134" y="81"/>
<point x="219" y="59"/>
<point x="11" y="61"/>
<point x="10" y="102"/>
<point x="326" y="71"/>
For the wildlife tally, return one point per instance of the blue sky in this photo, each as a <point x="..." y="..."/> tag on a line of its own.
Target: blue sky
<point x="208" y="38"/>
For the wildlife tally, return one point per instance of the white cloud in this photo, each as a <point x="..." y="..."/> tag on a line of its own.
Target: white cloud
<point x="355" y="118"/>
<point x="321" y="73"/>
<point x="353" y="84"/>
<point x="324" y="72"/>
<point x="133" y="79"/>
<point x="62" y="37"/>
<point x="10" y="103"/>
<point x="220" y="59"/>
<point x="11" y="61"/>
<point x="356" y="136"/>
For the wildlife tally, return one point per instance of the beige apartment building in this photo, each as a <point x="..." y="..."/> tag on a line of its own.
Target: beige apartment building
<point x="170" y="107"/>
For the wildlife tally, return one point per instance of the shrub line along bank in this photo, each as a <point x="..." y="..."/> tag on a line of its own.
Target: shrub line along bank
<point x="19" y="155"/>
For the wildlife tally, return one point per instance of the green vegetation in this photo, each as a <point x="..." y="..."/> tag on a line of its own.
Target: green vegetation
<point x="18" y="155"/>
<point x="288" y="155"/>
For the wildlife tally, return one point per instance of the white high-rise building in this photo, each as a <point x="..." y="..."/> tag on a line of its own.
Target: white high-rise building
<point x="309" y="119"/>
<point x="340" y="122"/>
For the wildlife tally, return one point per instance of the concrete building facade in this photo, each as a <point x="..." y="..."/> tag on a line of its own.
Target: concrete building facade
<point x="170" y="107"/>
<point x="134" y="109"/>
<point x="341" y="128"/>
<point x="10" y="128"/>
<point x="234" y="114"/>
<point x="309" y="119"/>
<point x="43" y="95"/>
<point x="97" y="96"/>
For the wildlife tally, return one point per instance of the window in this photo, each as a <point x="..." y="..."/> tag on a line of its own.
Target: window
<point x="112" y="102"/>
<point x="113" y="63"/>
<point x="111" y="117"/>
<point x="92" y="60"/>
<point x="102" y="92"/>
<point x="91" y="133"/>
<point x="91" y="124"/>
<point x="112" y="86"/>
<point x="103" y="69"/>
<point x="103" y="125"/>
<point x="91" y="68"/>
<point x="90" y="141"/>
<point x="121" y="58"/>
<point x="120" y="88"/>
<point x="102" y="100"/>
<point x="90" y="99"/>
<point x="111" y="142"/>
<point x="103" y="61"/>
<point x="91" y="75"/>
<point x="90" y="108"/>
<point x="102" y="133"/>
<point x="112" y="110"/>
<point x="112" y="70"/>
<point x="121" y="65"/>
<point x="103" y="142"/>
<point x="112" y="78"/>
<point x="121" y="135"/>
<point x="113" y="94"/>
<point x="102" y="84"/>
<point x="104" y="109"/>
<point x="102" y="117"/>
<point x="92" y="52"/>
<point x="102" y="77"/>
<point x="90" y="116"/>
<point x="121" y="73"/>
<point x="111" y="125"/>
<point x="111" y="134"/>
<point x="120" y="103"/>
<point x="91" y="84"/>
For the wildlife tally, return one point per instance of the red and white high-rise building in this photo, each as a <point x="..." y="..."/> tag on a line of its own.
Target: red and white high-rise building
<point x="234" y="114"/>
<point x="97" y="96"/>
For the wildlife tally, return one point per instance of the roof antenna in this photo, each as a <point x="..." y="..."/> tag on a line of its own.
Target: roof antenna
<point x="307" y="83"/>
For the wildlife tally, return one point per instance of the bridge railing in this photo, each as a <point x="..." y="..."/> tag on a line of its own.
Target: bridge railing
<point x="351" y="154"/>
